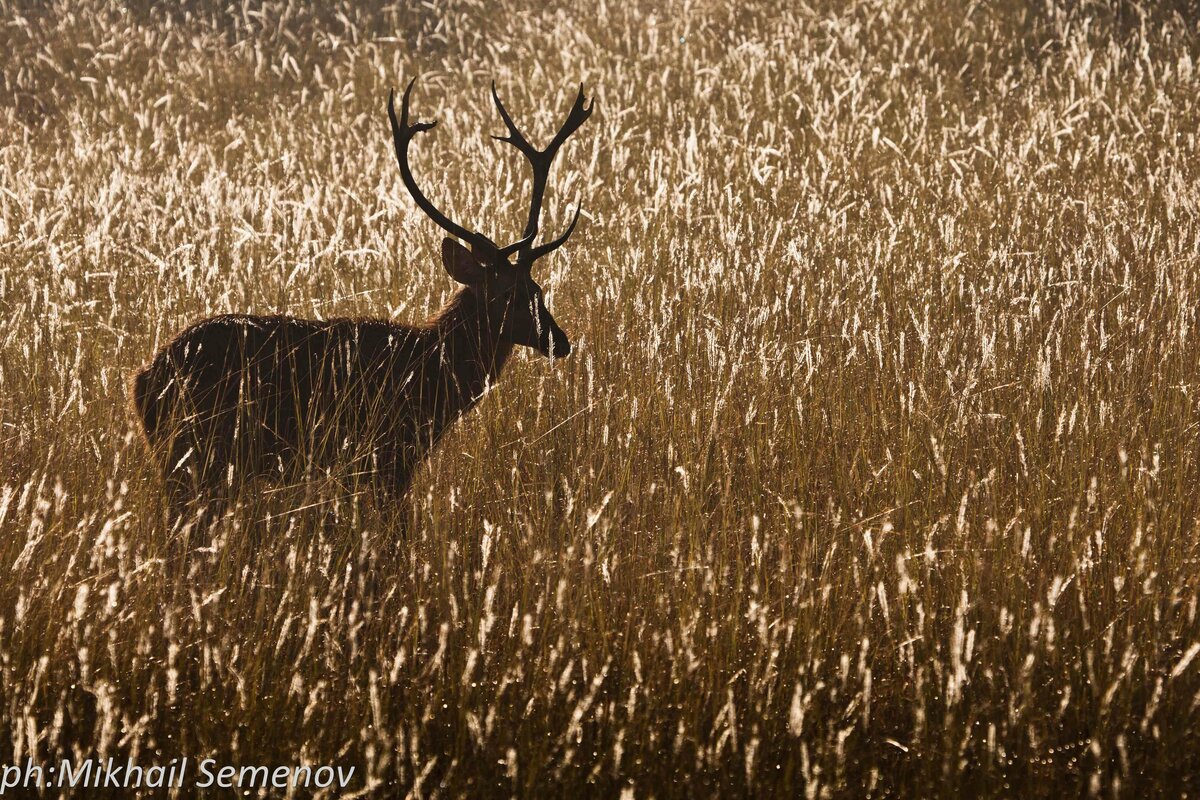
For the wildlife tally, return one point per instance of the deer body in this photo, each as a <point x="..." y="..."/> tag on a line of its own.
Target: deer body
<point x="240" y="397"/>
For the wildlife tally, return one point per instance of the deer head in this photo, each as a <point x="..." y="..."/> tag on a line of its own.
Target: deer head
<point x="502" y="277"/>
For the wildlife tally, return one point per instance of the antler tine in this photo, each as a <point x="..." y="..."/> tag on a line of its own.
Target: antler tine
<point x="514" y="137"/>
<point x="507" y="251"/>
<point x="541" y="161"/>
<point x="550" y="247"/>
<point x="578" y="115"/>
<point x="402" y="135"/>
<point x="580" y="111"/>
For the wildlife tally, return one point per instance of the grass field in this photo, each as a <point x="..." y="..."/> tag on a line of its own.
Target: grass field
<point x="874" y="473"/>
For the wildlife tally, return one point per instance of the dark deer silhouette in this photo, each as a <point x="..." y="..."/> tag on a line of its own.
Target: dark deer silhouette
<point x="237" y="397"/>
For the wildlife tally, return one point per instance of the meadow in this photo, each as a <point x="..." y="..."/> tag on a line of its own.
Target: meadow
<point x="874" y="471"/>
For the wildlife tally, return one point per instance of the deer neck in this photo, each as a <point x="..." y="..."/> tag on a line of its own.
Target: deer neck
<point x="471" y="349"/>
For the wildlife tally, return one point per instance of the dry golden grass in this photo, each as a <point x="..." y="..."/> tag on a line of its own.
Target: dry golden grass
<point x="875" y="472"/>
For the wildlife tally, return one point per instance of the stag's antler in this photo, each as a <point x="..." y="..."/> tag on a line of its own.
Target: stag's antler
<point x="403" y="133"/>
<point x="541" y="161"/>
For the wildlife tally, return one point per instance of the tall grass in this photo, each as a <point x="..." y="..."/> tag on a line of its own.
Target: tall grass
<point x="874" y="473"/>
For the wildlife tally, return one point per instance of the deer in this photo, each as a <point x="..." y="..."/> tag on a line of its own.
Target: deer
<point x="239" y="397"/>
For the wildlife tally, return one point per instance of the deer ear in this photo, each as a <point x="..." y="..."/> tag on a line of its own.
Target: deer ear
<point x="461" y="263"/>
